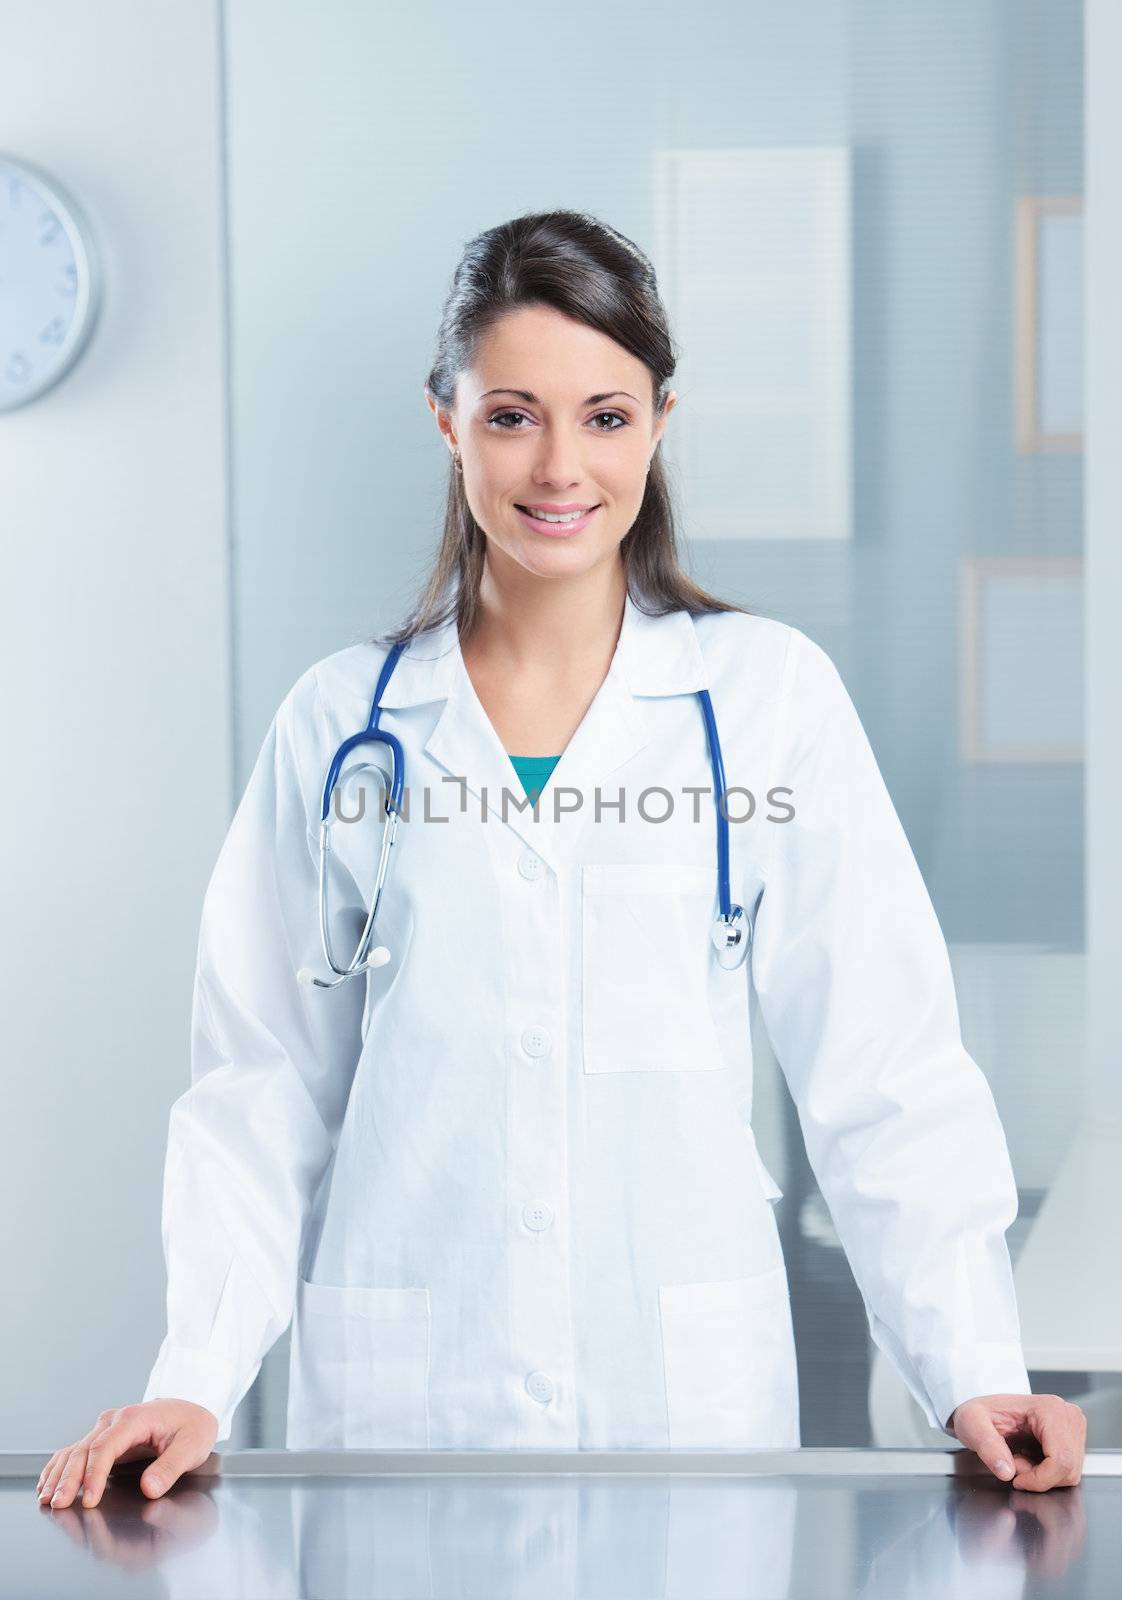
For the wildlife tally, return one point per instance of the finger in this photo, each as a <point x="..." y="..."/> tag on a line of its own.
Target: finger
<point x="100" y="1459"/>
<point x="54" y="1472"/>
<point x="45" y="1474"/>
<point x="1059" y="1467"/>
<point x="54" y="1476"/>
<point x="51" y="1459"/>
<point x="180" y="1456"/>
<point x="70" y="1477"/>
<point x="108" y="1447"/>
<point x="1045" y="1475"/>
<point x="1061" y="1449"/>
<point x="990" y="1446"/>
<point x="48" y="1478"/>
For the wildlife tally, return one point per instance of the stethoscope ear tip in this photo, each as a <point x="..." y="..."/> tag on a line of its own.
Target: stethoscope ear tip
<point x="377" y="958"/>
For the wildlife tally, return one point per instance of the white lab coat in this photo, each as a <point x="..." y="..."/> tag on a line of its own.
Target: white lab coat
<point x="509" y="1194"/>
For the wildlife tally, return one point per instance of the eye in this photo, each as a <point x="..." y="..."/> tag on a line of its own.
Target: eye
<point x="497" y="421"/>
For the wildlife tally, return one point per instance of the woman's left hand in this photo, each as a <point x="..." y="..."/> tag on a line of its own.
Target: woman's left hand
<point x="1030" y="1441"/>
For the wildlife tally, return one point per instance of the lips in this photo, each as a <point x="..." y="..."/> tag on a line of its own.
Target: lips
<point x="558" y="510"/>
<point x="555" y="511"/>
<point x="556" y="530"/>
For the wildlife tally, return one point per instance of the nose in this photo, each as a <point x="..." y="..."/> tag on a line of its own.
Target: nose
<point x="558" y="465"/>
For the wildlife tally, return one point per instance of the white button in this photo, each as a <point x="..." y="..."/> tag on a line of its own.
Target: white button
<point x="537" y="1216"/>
<point x="540" y="1386"/>
<point x="537" y="1042"/>
<point x="530" y="865"/>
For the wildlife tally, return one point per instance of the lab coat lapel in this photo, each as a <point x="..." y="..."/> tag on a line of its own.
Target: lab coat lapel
<point x="464" y="742"/>
<point x="612" y="730"/>
<point x="653" y="656"/>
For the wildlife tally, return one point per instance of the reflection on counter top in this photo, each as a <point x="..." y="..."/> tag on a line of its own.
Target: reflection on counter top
<point x="806" y="1524"/>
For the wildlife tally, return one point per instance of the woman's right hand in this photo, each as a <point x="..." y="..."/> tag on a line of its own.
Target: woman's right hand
<point x="176" y="1434"/>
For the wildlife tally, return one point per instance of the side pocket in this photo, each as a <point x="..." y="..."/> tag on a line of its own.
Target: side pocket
<point x="359" y="1367"/>
<point x="729" y="1361"/>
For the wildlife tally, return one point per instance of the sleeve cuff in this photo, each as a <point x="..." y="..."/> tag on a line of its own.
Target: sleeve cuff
<point x="951" y="1376"/>
<point x="181" y="1373"/>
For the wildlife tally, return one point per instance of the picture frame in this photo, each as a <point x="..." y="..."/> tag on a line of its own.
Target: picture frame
<point x="1048" y="318"/>
<point x="1021" y="659"/>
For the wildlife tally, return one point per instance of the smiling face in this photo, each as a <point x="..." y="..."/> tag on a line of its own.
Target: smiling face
<point x="576" y="432"/>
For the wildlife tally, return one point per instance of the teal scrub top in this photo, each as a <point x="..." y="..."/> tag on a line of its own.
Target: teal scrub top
<point x="533" y="773"/>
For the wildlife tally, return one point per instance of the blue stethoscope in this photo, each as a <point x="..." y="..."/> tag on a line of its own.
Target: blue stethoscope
<point x="731" y="930"/>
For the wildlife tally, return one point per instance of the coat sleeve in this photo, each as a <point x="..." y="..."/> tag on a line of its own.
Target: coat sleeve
<point x="901" y="1130"/>
<point x="271" y="1068"/>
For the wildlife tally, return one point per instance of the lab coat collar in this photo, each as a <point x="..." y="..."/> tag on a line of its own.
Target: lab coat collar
<point x="654" y="656"/>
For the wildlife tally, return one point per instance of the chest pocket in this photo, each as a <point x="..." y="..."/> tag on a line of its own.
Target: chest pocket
<point x="645" y="963"/>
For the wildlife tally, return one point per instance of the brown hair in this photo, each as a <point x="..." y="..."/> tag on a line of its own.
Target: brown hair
<point x="585" y="269"/>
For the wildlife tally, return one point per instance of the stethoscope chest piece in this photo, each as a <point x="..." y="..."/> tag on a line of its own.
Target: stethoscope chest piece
<point x="730" y="938"/>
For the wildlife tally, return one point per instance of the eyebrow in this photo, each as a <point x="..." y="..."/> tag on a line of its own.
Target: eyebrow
<point x="532" y="399"/>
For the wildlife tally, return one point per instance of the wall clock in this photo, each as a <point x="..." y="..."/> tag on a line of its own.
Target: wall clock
<point x="49" y="282"/>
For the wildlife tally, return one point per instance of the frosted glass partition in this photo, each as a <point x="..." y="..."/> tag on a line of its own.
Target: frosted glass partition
<point x="876" y="440"/>
<point x="754" y="250"/>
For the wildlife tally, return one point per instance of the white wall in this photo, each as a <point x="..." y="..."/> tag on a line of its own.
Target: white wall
<point x="115" y="654"/>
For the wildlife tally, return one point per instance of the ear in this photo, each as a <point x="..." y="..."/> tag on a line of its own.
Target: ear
<point x="671" y="402"/>
<point x="443" y="418"/>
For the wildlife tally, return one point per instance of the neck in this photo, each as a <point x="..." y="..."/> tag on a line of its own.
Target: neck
<point x="567" y="628"/>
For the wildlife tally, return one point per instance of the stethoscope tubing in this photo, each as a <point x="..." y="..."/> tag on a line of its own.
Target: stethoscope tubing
<point x="731" y="931"/>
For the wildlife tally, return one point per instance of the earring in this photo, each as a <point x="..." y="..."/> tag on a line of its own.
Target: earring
<point x="456" y="462"/>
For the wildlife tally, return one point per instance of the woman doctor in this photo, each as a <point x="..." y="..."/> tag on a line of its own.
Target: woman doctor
<point x="504" y="1183"/>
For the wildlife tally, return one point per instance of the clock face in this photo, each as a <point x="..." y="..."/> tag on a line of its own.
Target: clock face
<point x="47" y="287"/>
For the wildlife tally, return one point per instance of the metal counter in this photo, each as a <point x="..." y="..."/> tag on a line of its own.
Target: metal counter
<point x="810" y="1524"/>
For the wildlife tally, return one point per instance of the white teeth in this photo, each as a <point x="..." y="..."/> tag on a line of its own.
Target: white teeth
<point x="553" y="516"/>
